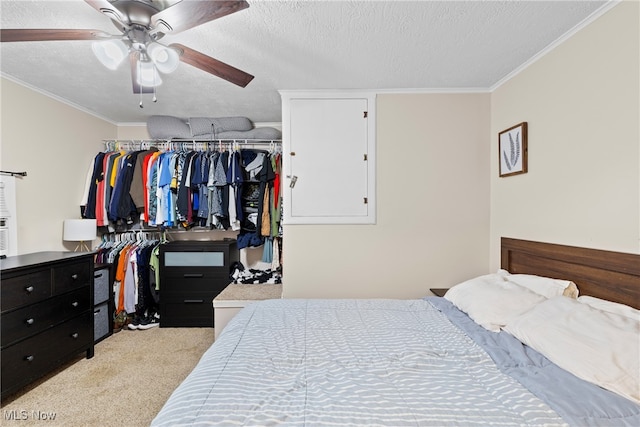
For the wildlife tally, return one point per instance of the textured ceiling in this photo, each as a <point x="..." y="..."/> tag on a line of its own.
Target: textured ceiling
<point x="289" y="44"/>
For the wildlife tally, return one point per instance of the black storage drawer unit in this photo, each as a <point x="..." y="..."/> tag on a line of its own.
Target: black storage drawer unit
<point x="46" y="314"/>
<point x="192" y="274"/>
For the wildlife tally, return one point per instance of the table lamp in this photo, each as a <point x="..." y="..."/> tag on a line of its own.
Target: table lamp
<point x="80" y="230"/>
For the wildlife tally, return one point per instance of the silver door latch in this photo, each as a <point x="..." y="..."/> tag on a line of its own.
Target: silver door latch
<point x="293" y="181"/>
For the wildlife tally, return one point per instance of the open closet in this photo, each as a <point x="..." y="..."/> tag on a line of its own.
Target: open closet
<point x="149" y="193"/>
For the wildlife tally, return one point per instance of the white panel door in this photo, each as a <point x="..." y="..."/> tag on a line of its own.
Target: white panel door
<point x="328" y="160"/>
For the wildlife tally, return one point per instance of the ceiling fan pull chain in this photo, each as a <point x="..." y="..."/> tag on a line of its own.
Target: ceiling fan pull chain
<point x="140" y="73"/>
<point x="155" y="98"/>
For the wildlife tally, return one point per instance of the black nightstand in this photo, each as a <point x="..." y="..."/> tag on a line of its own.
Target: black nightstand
<point x="439" y="292"/>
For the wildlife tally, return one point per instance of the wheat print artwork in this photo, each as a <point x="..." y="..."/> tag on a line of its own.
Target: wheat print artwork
<point x="513" y="150"/>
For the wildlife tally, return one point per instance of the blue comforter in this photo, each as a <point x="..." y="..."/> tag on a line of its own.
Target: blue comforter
<point x="579" y="402"/>
<point x="372" y="363"/>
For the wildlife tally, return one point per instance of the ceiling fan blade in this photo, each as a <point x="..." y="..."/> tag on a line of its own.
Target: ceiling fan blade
<point x="212" y="66"/>
<point x="31" y="35"/>
<point x="107" y="8"/>
<point x="191" y="13"/>
<point x="133" y="59"/>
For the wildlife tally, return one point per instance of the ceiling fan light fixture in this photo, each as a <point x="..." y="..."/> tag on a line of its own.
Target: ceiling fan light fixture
<point x="164" y="58"/>
<point x="110" y="53"/>
<point x="148" y="75"/>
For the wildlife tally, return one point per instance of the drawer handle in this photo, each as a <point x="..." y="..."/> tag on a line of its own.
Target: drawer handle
<point x="29" y="358"/>
<point x="30" y="321"/>
<point x="74" y="276"/>
<point x="193" y="275"/>
<point x="95" y="313"/>
<point x="29" y="289"/>
<point x="193" y="301"/>
<point x="97" y="275"/>
<point x="74" y="335"/>
<point x="75" y="303"/>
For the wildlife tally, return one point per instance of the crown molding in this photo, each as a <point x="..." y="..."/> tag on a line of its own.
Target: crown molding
<point x="55" y="97"/>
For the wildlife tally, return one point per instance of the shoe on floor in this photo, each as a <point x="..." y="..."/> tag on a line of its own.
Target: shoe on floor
<point x="135" y="323"/>
<point x="149" y="322"/>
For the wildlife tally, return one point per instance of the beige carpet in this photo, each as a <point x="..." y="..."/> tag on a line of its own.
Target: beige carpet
<point x="125" y="384"/>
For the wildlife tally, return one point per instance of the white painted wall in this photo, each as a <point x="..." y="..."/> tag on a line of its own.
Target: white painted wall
<point x="432" y="212"/>
<point x="135" y="131"/>
<point x="55" y="144"/>
<point x="582" y="105"/>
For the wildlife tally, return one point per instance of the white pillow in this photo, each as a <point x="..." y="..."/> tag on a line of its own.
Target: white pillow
<point x="491" y="301"/>
<point x="610" y="306"/>
<point x="543" y="285"/>
<point x="597" y="346"/>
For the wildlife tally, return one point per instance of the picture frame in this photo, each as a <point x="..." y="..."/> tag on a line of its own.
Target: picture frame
<point x="512" y="150"/>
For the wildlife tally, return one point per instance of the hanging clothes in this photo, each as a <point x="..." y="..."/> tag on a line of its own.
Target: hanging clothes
<point x="134" y="291"/>
<point x="235" y="179"/>
<point x="185" y="188"/>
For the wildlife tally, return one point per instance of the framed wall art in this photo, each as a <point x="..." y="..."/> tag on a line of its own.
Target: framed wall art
<point x="512" y="149"/>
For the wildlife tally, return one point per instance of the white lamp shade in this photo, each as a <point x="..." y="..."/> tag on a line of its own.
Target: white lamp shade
<point x="110" y="53"/>
<point x="165" y="58"/>
<point x="79" y="230"/>
<point x="148" y="75"/>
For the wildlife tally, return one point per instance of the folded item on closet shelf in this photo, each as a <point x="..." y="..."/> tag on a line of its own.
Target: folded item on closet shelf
<point x="215" y="125"/>
<point x="250" y="223"/>
<point x="251" y="192"/>
<point x="265" y="133"/>
<point x="170" y="127"/>
<point x="167" y="127"/>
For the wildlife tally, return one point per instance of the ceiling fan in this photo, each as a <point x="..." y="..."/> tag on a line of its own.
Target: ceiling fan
<point x="142" y="24"/>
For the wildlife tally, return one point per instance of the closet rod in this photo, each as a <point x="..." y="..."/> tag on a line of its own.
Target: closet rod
<point x="13" y="173"/>
<point x="193" y="143"/>
<point x="164" y="141"/>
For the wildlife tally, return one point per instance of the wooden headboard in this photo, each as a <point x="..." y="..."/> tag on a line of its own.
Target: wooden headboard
<point x="614" y="276"/>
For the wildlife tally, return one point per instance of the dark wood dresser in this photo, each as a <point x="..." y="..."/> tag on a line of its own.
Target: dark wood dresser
<point x="46" y="314"/>
<point x="192" y="274"/>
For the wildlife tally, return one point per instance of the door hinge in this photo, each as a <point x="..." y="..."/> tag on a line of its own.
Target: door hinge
<point x="366" y="113"/>
<point x="365" y="157"/>
<point x="366" y="200"/>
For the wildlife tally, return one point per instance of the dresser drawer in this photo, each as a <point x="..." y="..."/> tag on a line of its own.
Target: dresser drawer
<point x="30" y="320"/>
<point x="195" y="262"/>
<point x="25" y="289"/>
<point x="32" y="358"/>
<point x="195" y="310"/>
<point x="213" y="256"/>
<point x="71" y="276"/>
<point x="193" y="282"/>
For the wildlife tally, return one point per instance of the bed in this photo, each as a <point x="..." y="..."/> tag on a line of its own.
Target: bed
<point x="378" y="362"/>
